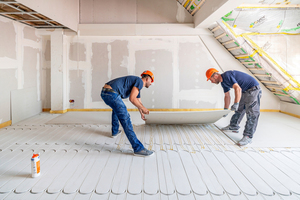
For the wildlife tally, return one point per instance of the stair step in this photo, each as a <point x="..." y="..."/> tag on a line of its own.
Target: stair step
<point x="255" y="68"/>
<point x="228" y="42"/>
<point x="246" y="63"/>
<point x="216" y="28"/>
<point x="274" y="88"/>
<point x="197" y="7"/>
<point x="190" y="5"/>
<point x="280" y="93"/>
<point x="219" y="36"/>
<point x="271" y="82"/>
<point x="234" y="48"/>
<point x="262" y="75"/>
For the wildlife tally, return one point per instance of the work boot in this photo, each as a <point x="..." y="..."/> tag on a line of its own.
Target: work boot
<point x="116" y="135"/>
<point x="143" y="152"/>
<point x="230" y="128"/>
<point x="244" y="141"/>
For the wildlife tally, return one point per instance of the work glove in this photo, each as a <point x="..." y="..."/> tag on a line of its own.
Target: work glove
<point x="227" y="113"/>
<point x="234" y="107"/>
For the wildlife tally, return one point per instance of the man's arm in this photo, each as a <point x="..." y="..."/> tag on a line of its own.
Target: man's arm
<point x="140" y="110"/>
<point x="135" y="101"/>
<point x="227" y="100"/>
<point x="237" y="92"/>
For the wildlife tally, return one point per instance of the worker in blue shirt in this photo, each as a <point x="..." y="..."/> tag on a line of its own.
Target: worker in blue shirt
<point x="247" y="100"/>
<point x="121" y="88"/>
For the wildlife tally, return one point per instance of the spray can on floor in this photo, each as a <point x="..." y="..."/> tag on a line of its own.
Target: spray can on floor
<point x="35" y="165"/>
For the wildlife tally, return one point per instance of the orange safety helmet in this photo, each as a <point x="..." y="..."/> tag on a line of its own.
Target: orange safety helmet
<point x="149" y="73"/>
<point x="210" y="72"/>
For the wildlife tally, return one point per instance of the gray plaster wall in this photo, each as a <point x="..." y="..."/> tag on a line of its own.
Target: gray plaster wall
<point x="20" y="62"/>
<point x="132" y="11"/>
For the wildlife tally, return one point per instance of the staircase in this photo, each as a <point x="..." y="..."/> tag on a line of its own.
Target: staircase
<point x="262" y="66"/>
<point x="192" y="6"/>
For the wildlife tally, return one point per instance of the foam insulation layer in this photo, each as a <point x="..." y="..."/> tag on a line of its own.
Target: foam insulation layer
<point x="201" y="117"/>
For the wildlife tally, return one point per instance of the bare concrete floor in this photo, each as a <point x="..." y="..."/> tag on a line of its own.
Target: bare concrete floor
<point x="82" y="161"/>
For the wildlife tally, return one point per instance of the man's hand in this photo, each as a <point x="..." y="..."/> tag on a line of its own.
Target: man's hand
<point x="145" y="111"/>
<point x="142" y="112"/>
<point x="143" y="117"/>
<point x="234" y="107"/>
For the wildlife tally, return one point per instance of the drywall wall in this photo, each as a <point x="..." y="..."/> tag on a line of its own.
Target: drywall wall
<point x="179" y="64"/>
<point x="132" y="11"/>
<point x="64" y="12"/>
<point x="20" y="63"/>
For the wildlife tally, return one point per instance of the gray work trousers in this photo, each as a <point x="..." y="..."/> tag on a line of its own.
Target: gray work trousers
<point x="249" y="104"/>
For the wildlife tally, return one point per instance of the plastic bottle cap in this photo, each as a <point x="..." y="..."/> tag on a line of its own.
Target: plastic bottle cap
<point x="35" y="155"/>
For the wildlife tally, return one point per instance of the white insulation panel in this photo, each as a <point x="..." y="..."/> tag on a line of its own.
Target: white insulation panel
<point x="185" y="117"/>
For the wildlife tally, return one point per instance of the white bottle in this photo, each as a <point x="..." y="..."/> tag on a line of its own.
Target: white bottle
<point x="35" y="165"/>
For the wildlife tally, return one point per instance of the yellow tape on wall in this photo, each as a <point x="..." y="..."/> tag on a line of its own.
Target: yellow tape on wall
<point x="8" y="123"/>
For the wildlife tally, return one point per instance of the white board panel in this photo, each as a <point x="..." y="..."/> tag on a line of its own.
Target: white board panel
<point x="185" y="117"/>
<point x="24" y="104"/>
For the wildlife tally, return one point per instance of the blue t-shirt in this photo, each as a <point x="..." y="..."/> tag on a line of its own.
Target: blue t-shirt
<point x="244" y="80"/>
<point x="124" y="85"/>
